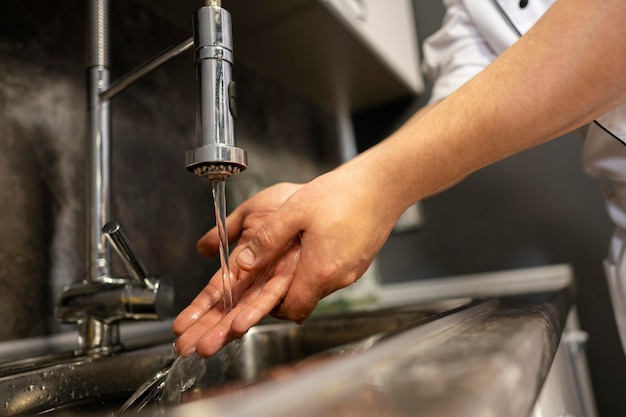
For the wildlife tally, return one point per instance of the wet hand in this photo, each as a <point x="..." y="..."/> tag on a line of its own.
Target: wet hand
<point x="205" y="319"/>
<point x="290" y="255"/>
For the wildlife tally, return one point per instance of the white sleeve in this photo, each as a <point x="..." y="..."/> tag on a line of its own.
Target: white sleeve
<point x="455" y="53"/>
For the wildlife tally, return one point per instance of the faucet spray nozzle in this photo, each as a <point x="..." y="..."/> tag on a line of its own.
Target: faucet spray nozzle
<point x="216" y="154"/>
<point x="216" y="161"/>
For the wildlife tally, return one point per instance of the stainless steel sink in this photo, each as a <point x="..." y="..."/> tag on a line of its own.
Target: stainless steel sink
<point x="64" y="381"/>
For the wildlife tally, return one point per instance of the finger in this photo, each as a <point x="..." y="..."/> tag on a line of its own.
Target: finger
<point x="210" y="296"/>
<point x="208" y="310"/>
<point x="208" y="335"/>
<point x="209" y="244"/>
<point x="270" y="291"/>
<point x="269" y="240"/>
<point x="187" y="343"/>
<point x="307" y="288"/>
<point x="299" y="302"/>
<point x="256" y="298"/>
<point x="210" y="339"/>
<point x="209" y="332"/>
<point x="207" y="299"/>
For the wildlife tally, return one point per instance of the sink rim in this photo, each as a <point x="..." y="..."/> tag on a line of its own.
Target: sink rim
<point x="33" y="372"/>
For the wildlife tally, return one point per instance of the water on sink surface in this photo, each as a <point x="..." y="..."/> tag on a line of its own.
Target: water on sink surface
<point x="167" y="387"/>
<point x="271" y="351"/>
<point x="268" y="351"/>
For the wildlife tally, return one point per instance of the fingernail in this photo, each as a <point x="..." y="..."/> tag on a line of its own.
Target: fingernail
<point x="202" y="250"/>
<point x="245" y="257"/>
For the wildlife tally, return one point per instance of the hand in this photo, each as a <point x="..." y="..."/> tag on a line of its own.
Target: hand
<point x="290" y="255"/>
<point x="206" y="312"/>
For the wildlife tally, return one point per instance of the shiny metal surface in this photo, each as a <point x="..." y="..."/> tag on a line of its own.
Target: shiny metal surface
<point x="116" y="300"/>
<point x="99" y="301"/>
<point x="76" y="380"/>
<point x="218" y="160"/>
<point x="94" y="335"/>
<point x="98" y="30"/>
<point x="123" y="82"/>
<point x="62" y="380"/>
<point x="99" y="175"/>
<point x="116" y="236"/>
<point x="98" y="306"/>
<point x="216" y="154"/>
<point x="446" y="359"/>
<point x="487" y="360"/>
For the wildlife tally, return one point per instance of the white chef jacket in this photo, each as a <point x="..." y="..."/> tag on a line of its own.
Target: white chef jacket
<point x="473" y="34"/>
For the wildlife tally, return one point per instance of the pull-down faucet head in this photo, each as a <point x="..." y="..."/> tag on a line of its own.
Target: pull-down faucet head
<point x="216" y="155"/>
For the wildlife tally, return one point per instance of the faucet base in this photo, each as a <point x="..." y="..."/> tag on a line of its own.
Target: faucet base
<point x="98" y="338"/>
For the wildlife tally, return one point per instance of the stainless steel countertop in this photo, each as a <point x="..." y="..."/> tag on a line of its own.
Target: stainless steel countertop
<point x="486" y="360"/>
<point x="489" y="358"/>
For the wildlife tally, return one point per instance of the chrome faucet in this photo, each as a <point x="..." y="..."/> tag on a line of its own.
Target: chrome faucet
<point x="100" y="301"/>
<point x="216" y="155"/>
<point x="99" y="305"/>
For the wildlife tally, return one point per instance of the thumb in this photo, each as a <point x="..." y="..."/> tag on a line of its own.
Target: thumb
<point x="268" y="242"/>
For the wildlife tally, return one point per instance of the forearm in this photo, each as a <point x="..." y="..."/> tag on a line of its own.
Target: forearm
<point x="363" y="155"/>
<point x="567" y="70"/>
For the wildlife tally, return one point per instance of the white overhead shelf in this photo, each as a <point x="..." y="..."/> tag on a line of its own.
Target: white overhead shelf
<point x="340" y="54"/>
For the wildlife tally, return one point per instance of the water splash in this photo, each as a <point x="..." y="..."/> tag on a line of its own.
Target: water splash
<point x="186" y="375"/>
<point x="146" y="394"/>
<point x="167" y="387"/>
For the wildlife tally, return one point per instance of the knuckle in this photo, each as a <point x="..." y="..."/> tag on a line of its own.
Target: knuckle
<point x="297" y="316"/>
<point x="262" y="239"/>
<point x="327" y="272"/>
<point x="214" y="299"/>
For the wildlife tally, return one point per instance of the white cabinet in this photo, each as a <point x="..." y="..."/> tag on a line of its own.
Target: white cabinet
<point x="340" y="54"/>
<point x="388" y="29"/>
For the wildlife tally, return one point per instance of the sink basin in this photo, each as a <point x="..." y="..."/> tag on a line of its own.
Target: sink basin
<point x="64" y="381"/>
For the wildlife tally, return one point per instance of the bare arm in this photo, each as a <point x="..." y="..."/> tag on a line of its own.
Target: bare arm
<point x="567" y="70"/>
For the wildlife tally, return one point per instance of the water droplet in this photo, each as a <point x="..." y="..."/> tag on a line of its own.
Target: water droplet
<point x="31" y="388"/>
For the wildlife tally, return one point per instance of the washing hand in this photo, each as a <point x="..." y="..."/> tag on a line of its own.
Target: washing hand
<point x="296" y="245"/>
<point x="205" y="315"/>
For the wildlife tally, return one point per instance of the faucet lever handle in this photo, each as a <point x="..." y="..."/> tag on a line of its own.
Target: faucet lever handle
<point x="118" y="240"/>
